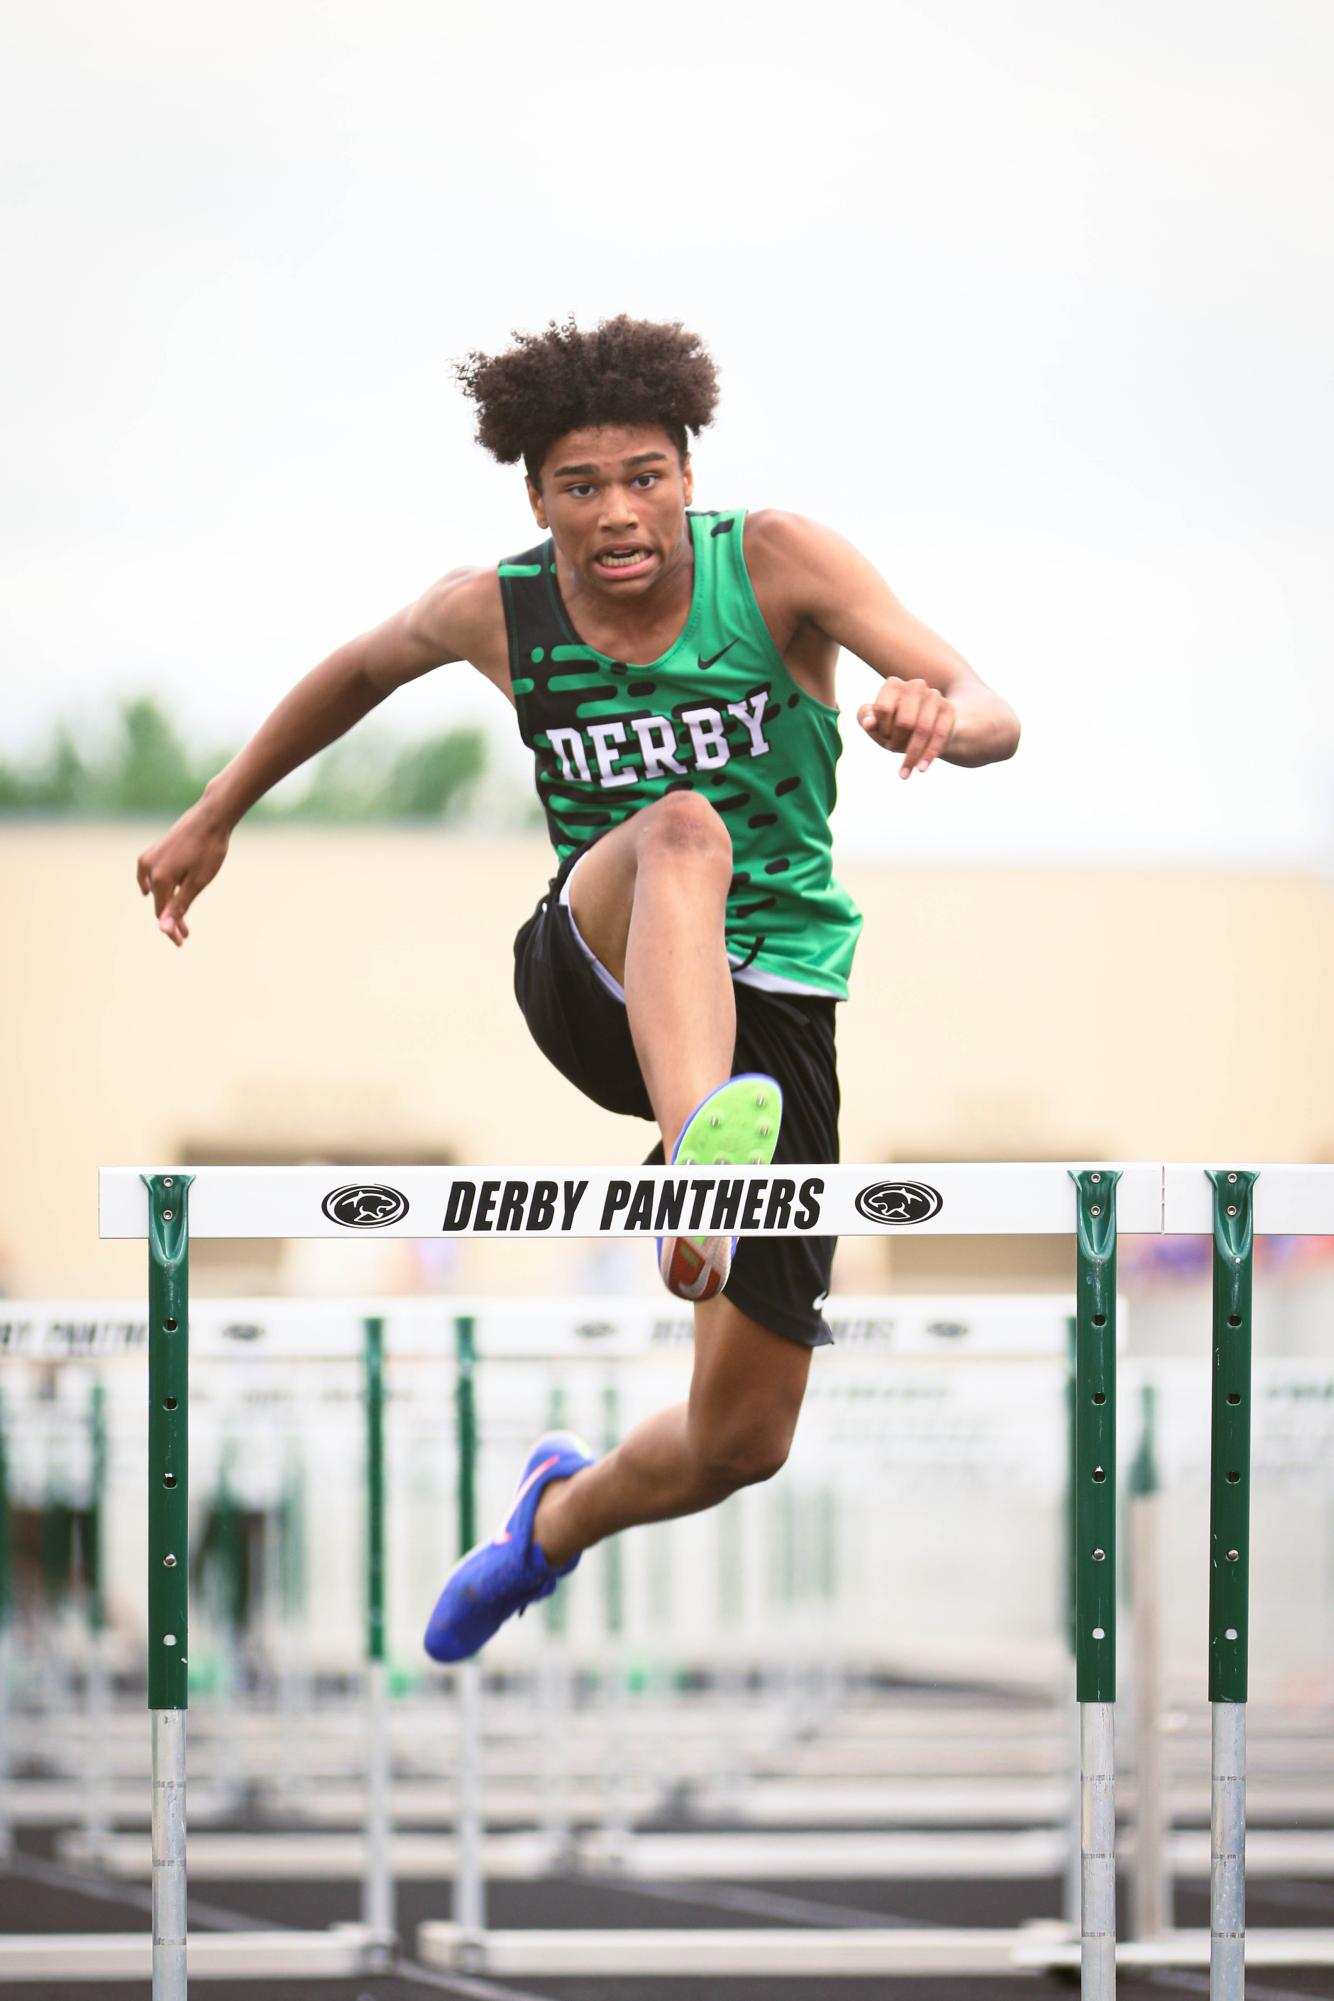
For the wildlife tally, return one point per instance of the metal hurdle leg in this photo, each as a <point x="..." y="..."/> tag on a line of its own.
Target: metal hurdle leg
<point x="554" y="1702"/>
<point x="290" y="1590"/>
<point x="96" y="1820"/>
<point x="616" y="1817"/>
<point x="377" y="1904"/>
<point x="1151" y="1888"/>
<point x="469" y="1880"/>
<point x="168" y="1564"/>
<point x="1095" y="1572"/>
<point x="1229" y="1576"/>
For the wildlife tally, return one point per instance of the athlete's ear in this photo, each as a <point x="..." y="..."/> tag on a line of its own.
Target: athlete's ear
<point x="688" y="478"/>
<point x="535" y="502"/>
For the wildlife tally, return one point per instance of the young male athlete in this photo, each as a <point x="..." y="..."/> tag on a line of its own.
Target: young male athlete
<point x="673" y="673"/>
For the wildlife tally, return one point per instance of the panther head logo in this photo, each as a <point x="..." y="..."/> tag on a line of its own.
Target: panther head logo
<point x="899" y="1203"/>
<point x="364" y="1206"/>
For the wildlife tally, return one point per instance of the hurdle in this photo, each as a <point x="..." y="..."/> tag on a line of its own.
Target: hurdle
<point x="1089" y="1203"/>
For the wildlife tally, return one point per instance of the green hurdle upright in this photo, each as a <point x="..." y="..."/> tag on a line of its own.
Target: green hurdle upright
<point x="1229" y="1576"/>
<point x="1095" y="1572"/>
<point x="168" y="1564"/>
<point x="350" y="1948"/>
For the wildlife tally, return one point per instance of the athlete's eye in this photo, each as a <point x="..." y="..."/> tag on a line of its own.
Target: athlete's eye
<point x="647" y="478"/>
<point x="577" y="492"/>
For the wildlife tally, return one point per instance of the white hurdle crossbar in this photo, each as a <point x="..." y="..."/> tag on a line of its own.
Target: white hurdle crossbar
<point x="438" y="1202"/>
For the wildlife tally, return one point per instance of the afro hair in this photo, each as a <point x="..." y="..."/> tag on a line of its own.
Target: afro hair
<point x="624" y="372"/>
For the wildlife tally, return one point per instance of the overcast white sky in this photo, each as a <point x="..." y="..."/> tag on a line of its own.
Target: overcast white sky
<point x="1033" y="302"/>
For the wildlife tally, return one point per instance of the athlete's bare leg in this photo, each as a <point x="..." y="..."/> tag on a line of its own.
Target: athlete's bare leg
<point x="735" y="1429"/>
<point x="649" y="899"/>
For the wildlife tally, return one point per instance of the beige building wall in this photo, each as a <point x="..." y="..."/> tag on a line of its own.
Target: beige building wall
<point x="346" y="994"/>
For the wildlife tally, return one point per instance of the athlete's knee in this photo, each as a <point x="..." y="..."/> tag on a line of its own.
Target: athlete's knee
<point x="743" y="1449"/>
<point x="684" y="826"/>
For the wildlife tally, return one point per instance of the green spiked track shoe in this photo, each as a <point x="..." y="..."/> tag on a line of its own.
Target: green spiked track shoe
<point x="735" y="1126"/>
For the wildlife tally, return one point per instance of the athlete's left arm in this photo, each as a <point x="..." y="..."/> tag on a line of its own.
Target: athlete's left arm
<point x="930" y="703"/>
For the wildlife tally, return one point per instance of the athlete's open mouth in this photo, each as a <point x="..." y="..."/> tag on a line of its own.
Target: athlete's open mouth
<point x="626" y="556"/>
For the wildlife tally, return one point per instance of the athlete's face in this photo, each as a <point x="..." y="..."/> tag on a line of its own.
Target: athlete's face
<point x="614" y="497"/>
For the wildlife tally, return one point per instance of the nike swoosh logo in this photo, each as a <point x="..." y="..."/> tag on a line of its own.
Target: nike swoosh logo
<point x="503" y="1534"/>
<point x="715" y="656"/>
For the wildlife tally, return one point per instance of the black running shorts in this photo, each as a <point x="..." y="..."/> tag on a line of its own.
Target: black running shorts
<point x="581" y="1027"/>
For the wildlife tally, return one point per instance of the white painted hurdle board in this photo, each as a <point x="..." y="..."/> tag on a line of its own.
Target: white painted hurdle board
<point x="951" y="1199"/>
<point x="1029" y="1198"/>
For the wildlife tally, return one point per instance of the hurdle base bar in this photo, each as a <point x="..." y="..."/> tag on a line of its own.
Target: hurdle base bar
<point x="1045" y="1945"/>
<point x="57" y="1802"/>
<point x="258" y="1955"/>
<point x="720" y="1954"/>
<point x="1266" y="1946"/>
<point x="888" y="1803"/>
<point x="349" y="1950"/>
<point x="1025" y="1854"/>
<point x="341" y="1857"/>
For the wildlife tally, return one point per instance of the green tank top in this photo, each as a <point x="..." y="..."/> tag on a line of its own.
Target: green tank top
<point x="718" y="714"/>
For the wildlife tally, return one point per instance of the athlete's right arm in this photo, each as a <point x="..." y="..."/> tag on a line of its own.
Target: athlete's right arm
<point x="452" y="621"/>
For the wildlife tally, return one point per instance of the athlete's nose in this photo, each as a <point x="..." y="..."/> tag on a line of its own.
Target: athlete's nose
<point x="618" y="508"/>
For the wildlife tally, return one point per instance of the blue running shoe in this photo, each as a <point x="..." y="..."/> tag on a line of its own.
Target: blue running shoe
<point x="510" y="1572"/>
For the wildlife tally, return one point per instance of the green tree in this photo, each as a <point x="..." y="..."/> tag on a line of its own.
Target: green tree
<point x="65" y="781"/>
<point x="13" y="790"/>
<point x="150" y="768"/>
<point x="436" y="779"/>
<point x="145" y="766"/>
<point x="56" y="783"/>
<point x="345" y="783"/>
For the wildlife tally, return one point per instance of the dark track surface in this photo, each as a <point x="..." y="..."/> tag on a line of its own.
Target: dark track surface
<point x="39" y="1894"/>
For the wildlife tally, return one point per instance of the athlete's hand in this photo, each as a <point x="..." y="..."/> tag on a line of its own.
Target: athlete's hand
<point x="184" y="861"/>
<point x="909" y="716"/>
